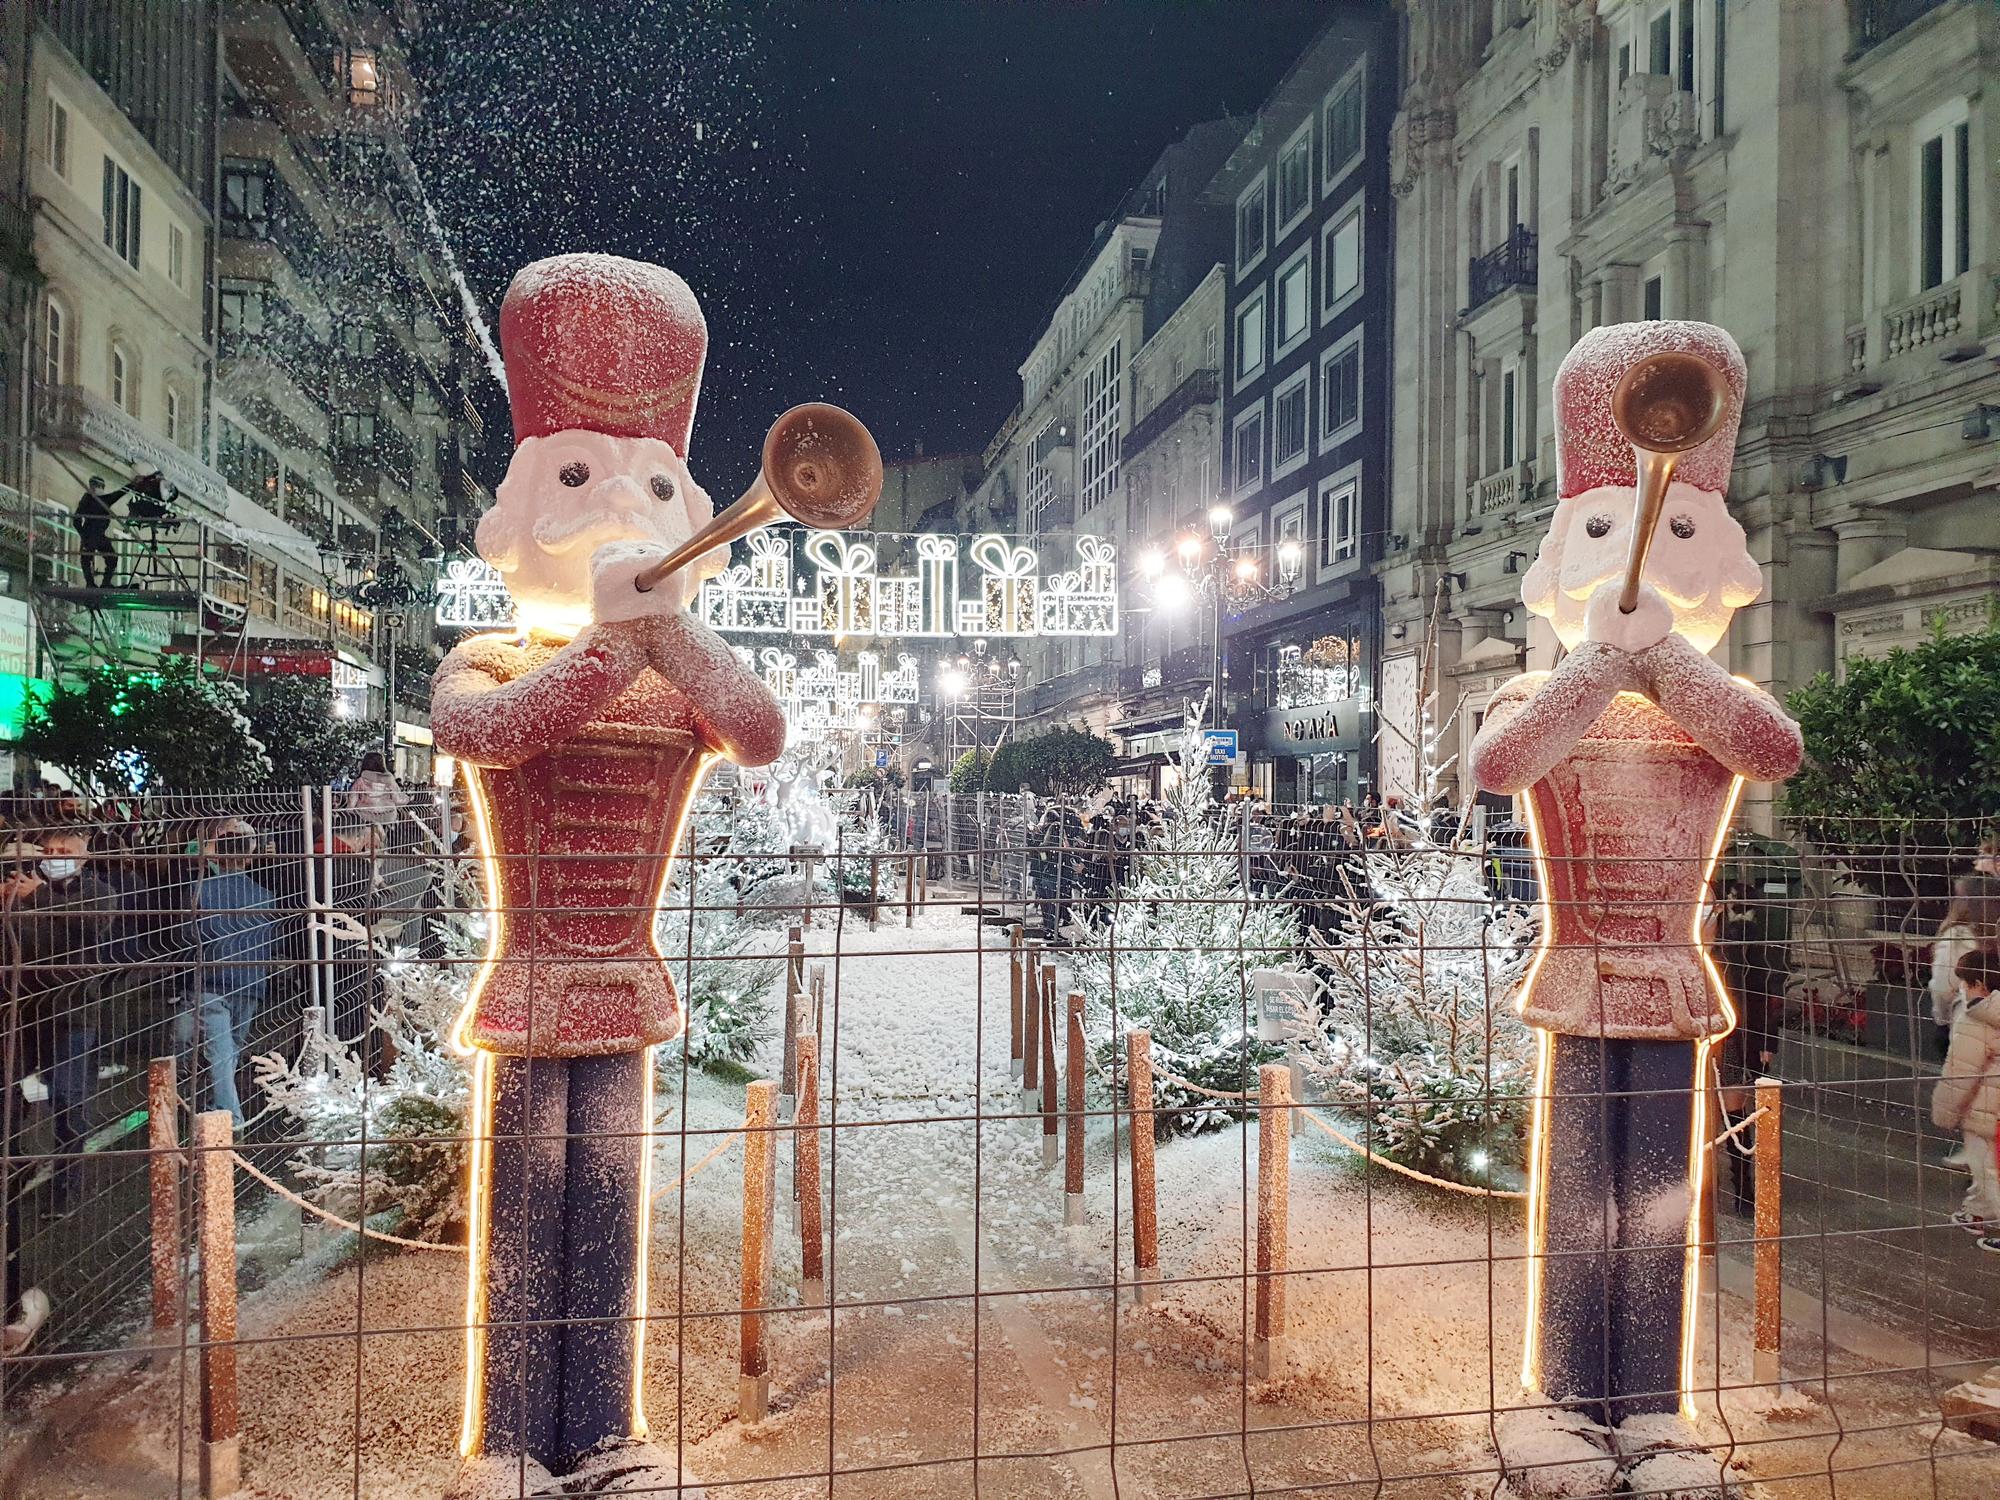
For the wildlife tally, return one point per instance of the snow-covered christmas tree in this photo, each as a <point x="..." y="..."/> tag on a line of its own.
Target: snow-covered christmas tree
<point x="1412" y="1025"/>
<point x="1176" y="952"/>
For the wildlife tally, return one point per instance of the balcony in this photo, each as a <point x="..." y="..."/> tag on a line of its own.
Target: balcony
<point x="1177" y="670"/>
<point x="1198" y="388"/>
<point x="1510" y="264"/>
<point x="68" y="416"/>
<point x="1945" y="322"/>
<point x="1653" y="122"/>
<point x="17" y="242"/>
<point x="1502" y="490"/>
<point x="1875" y="21"/>
<point x="284" y="49"/>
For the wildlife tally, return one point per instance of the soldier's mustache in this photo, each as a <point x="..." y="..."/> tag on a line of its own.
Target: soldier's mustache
<point x="554" y="532"/>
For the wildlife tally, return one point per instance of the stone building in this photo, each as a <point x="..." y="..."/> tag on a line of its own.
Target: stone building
<point x="1814" y="178"/>
<point x="1305" y="416"/>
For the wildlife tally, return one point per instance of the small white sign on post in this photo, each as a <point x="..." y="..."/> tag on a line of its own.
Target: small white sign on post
<point x="1281" y="998"/>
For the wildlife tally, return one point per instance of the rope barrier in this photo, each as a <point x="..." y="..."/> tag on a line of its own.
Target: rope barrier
<point x="1728" y="1134"/>
<point x="408" y="1244"/>
<point x="1410" y="1172"/>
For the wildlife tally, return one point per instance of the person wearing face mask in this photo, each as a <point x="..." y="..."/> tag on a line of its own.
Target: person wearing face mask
<point x="64" y="919"/>
<point x="236" y="925"/>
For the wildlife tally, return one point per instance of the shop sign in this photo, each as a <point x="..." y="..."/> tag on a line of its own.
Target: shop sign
<point x="1317" y="730"/>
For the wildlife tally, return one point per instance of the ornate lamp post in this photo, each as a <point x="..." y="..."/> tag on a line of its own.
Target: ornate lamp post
<point x="1221" y="578"/>
<point x="390" y="593"/>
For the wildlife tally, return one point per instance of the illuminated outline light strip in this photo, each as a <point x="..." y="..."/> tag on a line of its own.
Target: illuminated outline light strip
<point x="1538" y="1128"/>
<point x="472" y="1433"/>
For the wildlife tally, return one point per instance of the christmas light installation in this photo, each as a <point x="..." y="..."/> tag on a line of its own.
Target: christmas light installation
<point x="1629" y="758"/>
<point x="584" y="739"/>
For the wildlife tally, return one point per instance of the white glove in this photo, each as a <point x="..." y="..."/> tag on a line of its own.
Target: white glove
<point x="1651" y="620"/>
<point x="614" y="591"/>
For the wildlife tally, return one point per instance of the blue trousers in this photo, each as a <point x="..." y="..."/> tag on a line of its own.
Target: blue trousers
<point x="562" y="1267"/>
<point x="72" y="1080"/>
<point x="225" y="1027"/>
<point x="1614" y="1267"/>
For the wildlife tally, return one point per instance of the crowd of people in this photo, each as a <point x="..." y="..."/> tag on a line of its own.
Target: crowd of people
<point x="139" y="927"/>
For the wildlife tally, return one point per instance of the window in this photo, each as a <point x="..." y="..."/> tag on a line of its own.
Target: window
<point x="1247" y="463"/>
<point x="1250" y="215"/>
<point x="356" y="429"/>
<point x="1510" y="415"/>
<point x="1291" y="423"/>
<point x="1510" y="184"/>
<point x="1208" y="343"/>
<point x="1294" y="298"/>
<point x="1654" y="298"/>
<point x="121" y="213"/>
<point x="1343" y="126"/>
<point x="240" y="307"/>
<point x="1295" y="171"/>
<point x="1339" y="505"/>
<point x="55" y="347"/>
<point x="1101" y="385"/>
<point x="176" y="255"/>
<point x="245" y="207"/>
<point x="58" y="142"/>
<point x="1341" y="260"/>
<point x="1041" y="480"/>
<point x="1250" y="337"/>
<point x="122" y="392"/>
<point x="249" y="467"/>
<point x="172" y="411"/>
<point x="1944" y="196"/>
<point x="1340" y="392"/>
<point x="1660" y="44"/>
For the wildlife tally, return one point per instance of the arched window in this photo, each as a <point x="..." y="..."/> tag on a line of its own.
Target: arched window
<point x="123" y="394"/>
<point x="172" y="413"/>
<point x="55" y="343"/>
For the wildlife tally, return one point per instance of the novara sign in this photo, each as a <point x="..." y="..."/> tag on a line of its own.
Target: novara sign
<point x="993" y="585"/>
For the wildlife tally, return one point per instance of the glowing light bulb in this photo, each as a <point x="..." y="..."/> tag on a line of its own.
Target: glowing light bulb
<point x="1153" y="564"/>
<point x="1172" y="593"/>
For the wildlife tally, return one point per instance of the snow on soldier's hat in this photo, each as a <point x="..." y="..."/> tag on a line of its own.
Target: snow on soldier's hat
<point x="603" y="344"/>
<point x="1591" y="451"/>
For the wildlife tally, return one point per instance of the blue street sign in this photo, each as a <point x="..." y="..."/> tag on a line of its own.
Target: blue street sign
<point x="1221" y="745"/>
<point x="881" y="760"/>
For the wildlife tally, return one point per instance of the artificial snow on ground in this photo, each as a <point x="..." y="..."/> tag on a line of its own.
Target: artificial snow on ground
<point x="971" y="1321"/>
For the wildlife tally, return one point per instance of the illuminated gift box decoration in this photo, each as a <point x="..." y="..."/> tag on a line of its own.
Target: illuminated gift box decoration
<point x="846" y="583"/>
<point x="1006" y="605"/>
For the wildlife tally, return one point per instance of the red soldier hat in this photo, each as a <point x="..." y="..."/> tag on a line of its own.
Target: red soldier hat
<point x="603" y="344"/>
<point x="1591" y="451"/>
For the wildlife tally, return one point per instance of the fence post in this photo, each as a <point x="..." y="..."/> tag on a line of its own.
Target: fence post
<point x="760" y="1152"/>
<point x="215" y="1183"/>
<point x="812" y="1244"/>
<point x="924" y="880"/>
<point x="1049" y="1063"/>
<point x="1014" y="999"/>
<point x="818" y="990"/>
<point x="874" y="891"/>
<point x="1145" y="1207"/>
<point x="910" y="888"/>
<point x="163" y="1171"/>
<point x="1274" y="1185"/>
<point x="1073" y="1123"/>
<point x="315" y="971"/>
<point x="1031" y="1021"/>
<point x="1770" y="1223"/>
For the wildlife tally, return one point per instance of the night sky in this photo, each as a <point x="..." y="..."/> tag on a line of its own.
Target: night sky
<point x="878" y="204"/>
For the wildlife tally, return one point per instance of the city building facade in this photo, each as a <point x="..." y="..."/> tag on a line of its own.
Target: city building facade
<point x="1814" y="179"/>
<point x="1302" y="491"/>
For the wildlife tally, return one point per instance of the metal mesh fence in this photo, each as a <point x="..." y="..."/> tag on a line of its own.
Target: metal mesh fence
<point x="1255" y="1213"/>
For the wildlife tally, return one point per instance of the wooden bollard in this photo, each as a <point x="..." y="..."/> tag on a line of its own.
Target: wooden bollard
<point x="1770" y="1224"/>
<point x="1049" y="1105"/>
<point x="215" y="1196"/>
<point x="760" y="1161"/>
<point x="1274" y="1186"/>
<point x="874" y="891"/>
<point x="1031" y="1023"/>
<point x="1145" y="1206"/>
<point x="812" y="1241"/>
<point x="1014" y="998"/>
<point x="1073" y="1117"/>
<point x="163" y="1175"/>
<point x="909" y="890"/>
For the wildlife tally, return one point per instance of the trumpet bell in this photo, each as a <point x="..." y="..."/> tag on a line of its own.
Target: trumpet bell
<point x="1669" y="403"/>
<point x="823" y="466"/>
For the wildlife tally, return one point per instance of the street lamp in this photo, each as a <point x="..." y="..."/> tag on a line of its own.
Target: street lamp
<point x="1220" y="519"/>
<point x="390" y="593"/>
<point x="1226" y="579"/>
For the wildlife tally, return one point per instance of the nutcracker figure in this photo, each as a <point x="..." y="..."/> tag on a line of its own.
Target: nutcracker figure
<point x="1629" y="758"/>
<point x="584" y="737"/>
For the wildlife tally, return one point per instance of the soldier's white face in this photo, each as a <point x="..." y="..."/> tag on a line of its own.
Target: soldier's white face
<point x="1699" y="561"/>
<point x="570" y="493"/>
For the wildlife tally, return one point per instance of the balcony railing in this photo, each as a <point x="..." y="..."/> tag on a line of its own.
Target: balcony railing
<point x="1197" y="388"/>
<point x="1501" y="490"/>
<point x="70" y="416"/>
<point x="1509" y="264"/>
<point x="1957" y="315"/>
<point x="1875" y="21"/>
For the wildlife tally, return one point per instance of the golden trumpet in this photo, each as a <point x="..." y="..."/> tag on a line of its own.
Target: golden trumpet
<point x="1665" y="405"/>
<point x="821" y="467"/>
